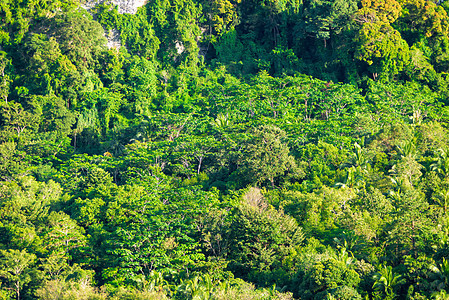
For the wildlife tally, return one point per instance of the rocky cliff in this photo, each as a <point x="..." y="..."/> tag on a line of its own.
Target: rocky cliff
<point x="124" y="6"/>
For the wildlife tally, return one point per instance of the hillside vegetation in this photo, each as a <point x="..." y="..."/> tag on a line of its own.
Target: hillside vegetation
<point x="230" y="149"/>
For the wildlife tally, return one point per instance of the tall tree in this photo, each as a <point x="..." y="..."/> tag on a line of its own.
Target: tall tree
<point x="15" y="266"/>
<point x="267" y="156"/>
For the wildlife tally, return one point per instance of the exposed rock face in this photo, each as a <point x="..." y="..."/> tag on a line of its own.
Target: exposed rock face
<point x="179" y="47"/>
<point x="113" y="39"/>
<point x="130" y="7"/>
<point x="123" y="6"/>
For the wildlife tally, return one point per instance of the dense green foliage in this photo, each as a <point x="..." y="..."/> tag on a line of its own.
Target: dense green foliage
<point x="229" y="149"/>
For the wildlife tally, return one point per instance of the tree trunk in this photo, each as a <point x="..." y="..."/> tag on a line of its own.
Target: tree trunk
<point x="200" y="160"/>
<point x="18" y="289"/>
<point x="413" y="239"/>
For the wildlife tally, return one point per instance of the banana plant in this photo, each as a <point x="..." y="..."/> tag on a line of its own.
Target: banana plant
<point x="442" y="275"/>
<point x="197" y="288"/>
<point x="387" y="281"/>
<point x="441" y="165"/>
<point x="357" y="158"/>
<point x="407" y="148"/>
<point x="354" y="178"/>
<point x="440" y="295"/>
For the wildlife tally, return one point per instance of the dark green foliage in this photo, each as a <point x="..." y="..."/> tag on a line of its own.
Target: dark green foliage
<point x="259" y="239"/>
<point x="266" y="155"/>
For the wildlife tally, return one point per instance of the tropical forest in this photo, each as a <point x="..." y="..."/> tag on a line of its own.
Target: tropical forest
<point x="224" y="149"/>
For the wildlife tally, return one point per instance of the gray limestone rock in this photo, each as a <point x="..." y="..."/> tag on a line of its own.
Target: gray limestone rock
<point x="123" y="7"/>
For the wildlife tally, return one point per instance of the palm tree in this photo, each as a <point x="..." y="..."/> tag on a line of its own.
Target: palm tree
<point x="442" y="199"/>
<point x="222" y="121"/>
<point x="407" y="148"/>
<point x="354" y="178"/>
<point x="346" y="257"/>
<point x="349" y="242"/>
<point x="396" y="192"/>
<point x="357" y="158"/>
<point x="357" y="166"/>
